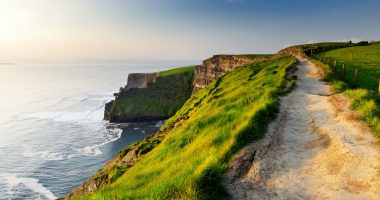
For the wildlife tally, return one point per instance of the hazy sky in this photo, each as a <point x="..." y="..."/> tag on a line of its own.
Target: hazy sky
<point x="70" y="30"/>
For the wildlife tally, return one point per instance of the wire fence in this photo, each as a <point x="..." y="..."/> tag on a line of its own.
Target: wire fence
<point x="355" y="76"/>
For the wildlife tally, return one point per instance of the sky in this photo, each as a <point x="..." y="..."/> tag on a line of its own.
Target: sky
<point x="91" y="30"/>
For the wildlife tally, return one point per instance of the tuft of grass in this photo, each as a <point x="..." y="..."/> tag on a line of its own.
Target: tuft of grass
<point x="202" y="136"/>
<point x="364" y="102"/>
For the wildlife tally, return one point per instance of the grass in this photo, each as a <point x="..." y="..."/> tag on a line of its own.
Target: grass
<point x="203" y="135"/>
<point x="180" y="70"/>
<point x="321" y="47"/>
<point x="255" y="56"/>
<point x="365" y="103"/>
<point x="363" y="95"/>
<point x="160" y="99"/>
<point x="364" y="58"/>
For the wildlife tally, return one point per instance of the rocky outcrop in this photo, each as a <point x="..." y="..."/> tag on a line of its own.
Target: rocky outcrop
<point x="217" y="66"/>
<point x="140" y="80"/>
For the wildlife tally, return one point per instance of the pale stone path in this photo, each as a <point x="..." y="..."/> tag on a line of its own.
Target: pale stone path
<point x="316" y="149"/>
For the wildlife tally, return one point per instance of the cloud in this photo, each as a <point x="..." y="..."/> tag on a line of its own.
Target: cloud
<point x="354" y="40"/>
<point x="311" y="42"/>
<point x="287" y="45"/>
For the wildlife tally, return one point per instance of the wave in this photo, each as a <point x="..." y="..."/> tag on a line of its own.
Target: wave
<point x="159" y="124"/>
<point x="80" y="99"/>
<point x="94" y="150"/>
<point x="19" y="183"/>
<point x="46" y="155"/>
<point x="79" y="117"/>
<point x="113" y="134"/>
<point x="87" y="116"/>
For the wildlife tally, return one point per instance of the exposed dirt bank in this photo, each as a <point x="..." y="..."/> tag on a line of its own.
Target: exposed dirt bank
<point x="316" y="149"/>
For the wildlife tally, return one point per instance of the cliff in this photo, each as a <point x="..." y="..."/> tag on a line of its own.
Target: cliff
<point x="140" y="80"/>
<point x="151" y="96"/>
<point x="218" y="65"/>
<point x="187" y="157"/>
<point x="156" y="96"/>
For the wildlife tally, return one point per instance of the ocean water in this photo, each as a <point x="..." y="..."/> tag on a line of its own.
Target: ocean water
<point x="52" y="136"/>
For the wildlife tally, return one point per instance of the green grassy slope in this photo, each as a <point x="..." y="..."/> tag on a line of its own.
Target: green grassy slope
<point x="160" y="99"/>
<point x="203" y="135"/>
<point x="364" y="58"/>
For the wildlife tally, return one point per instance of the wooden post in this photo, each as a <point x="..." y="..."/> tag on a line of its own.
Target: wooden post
<point x="378" y="90"/>
<point x="352" y="56"/>
<point x="343" y="72"/>
<point x="356" y="78"/>
<point x="334" y="66"/>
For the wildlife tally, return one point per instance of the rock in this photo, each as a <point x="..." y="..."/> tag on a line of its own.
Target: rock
<point x="130" y="158"/>
<point x="217" y="66"/>
<point x="140" y="80"/>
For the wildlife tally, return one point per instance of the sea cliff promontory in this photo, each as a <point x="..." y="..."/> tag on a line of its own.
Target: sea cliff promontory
<point x="159" y="95"/>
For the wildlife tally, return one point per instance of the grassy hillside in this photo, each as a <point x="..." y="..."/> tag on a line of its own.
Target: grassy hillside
<point x="200" y="139"/>
<point x="160" y="99"/>
<point x="364" y="58"/>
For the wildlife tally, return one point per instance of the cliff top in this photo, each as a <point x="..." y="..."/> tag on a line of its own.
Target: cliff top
<point x="179" y="70"/>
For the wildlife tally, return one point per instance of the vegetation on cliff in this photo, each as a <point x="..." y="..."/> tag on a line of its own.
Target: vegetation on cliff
<point x="159" y="100"/>
<point x="194" y="147"/>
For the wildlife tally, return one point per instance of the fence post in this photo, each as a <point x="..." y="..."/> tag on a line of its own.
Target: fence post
<point x="334" y="66"/>
<point x="352" y="56"/>
<point x="356" y="77"/>
<point x="343" y="72"/>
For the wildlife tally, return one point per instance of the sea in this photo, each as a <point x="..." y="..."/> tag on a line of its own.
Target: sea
<point x="52" y="133"/>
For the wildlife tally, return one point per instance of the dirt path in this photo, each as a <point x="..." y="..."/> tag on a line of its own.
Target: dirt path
<point x="316" y="149"/>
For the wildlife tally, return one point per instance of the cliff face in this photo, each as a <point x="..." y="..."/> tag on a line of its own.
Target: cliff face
<point x="151" y="96"/>
<point x="140" y="80"/>
<point x="217" y="66"/>
<point x="135" y="80"/>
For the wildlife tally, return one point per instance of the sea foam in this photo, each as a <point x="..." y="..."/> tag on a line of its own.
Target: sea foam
<point x="16" y="183"/>
<point x="113" y="134"/>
